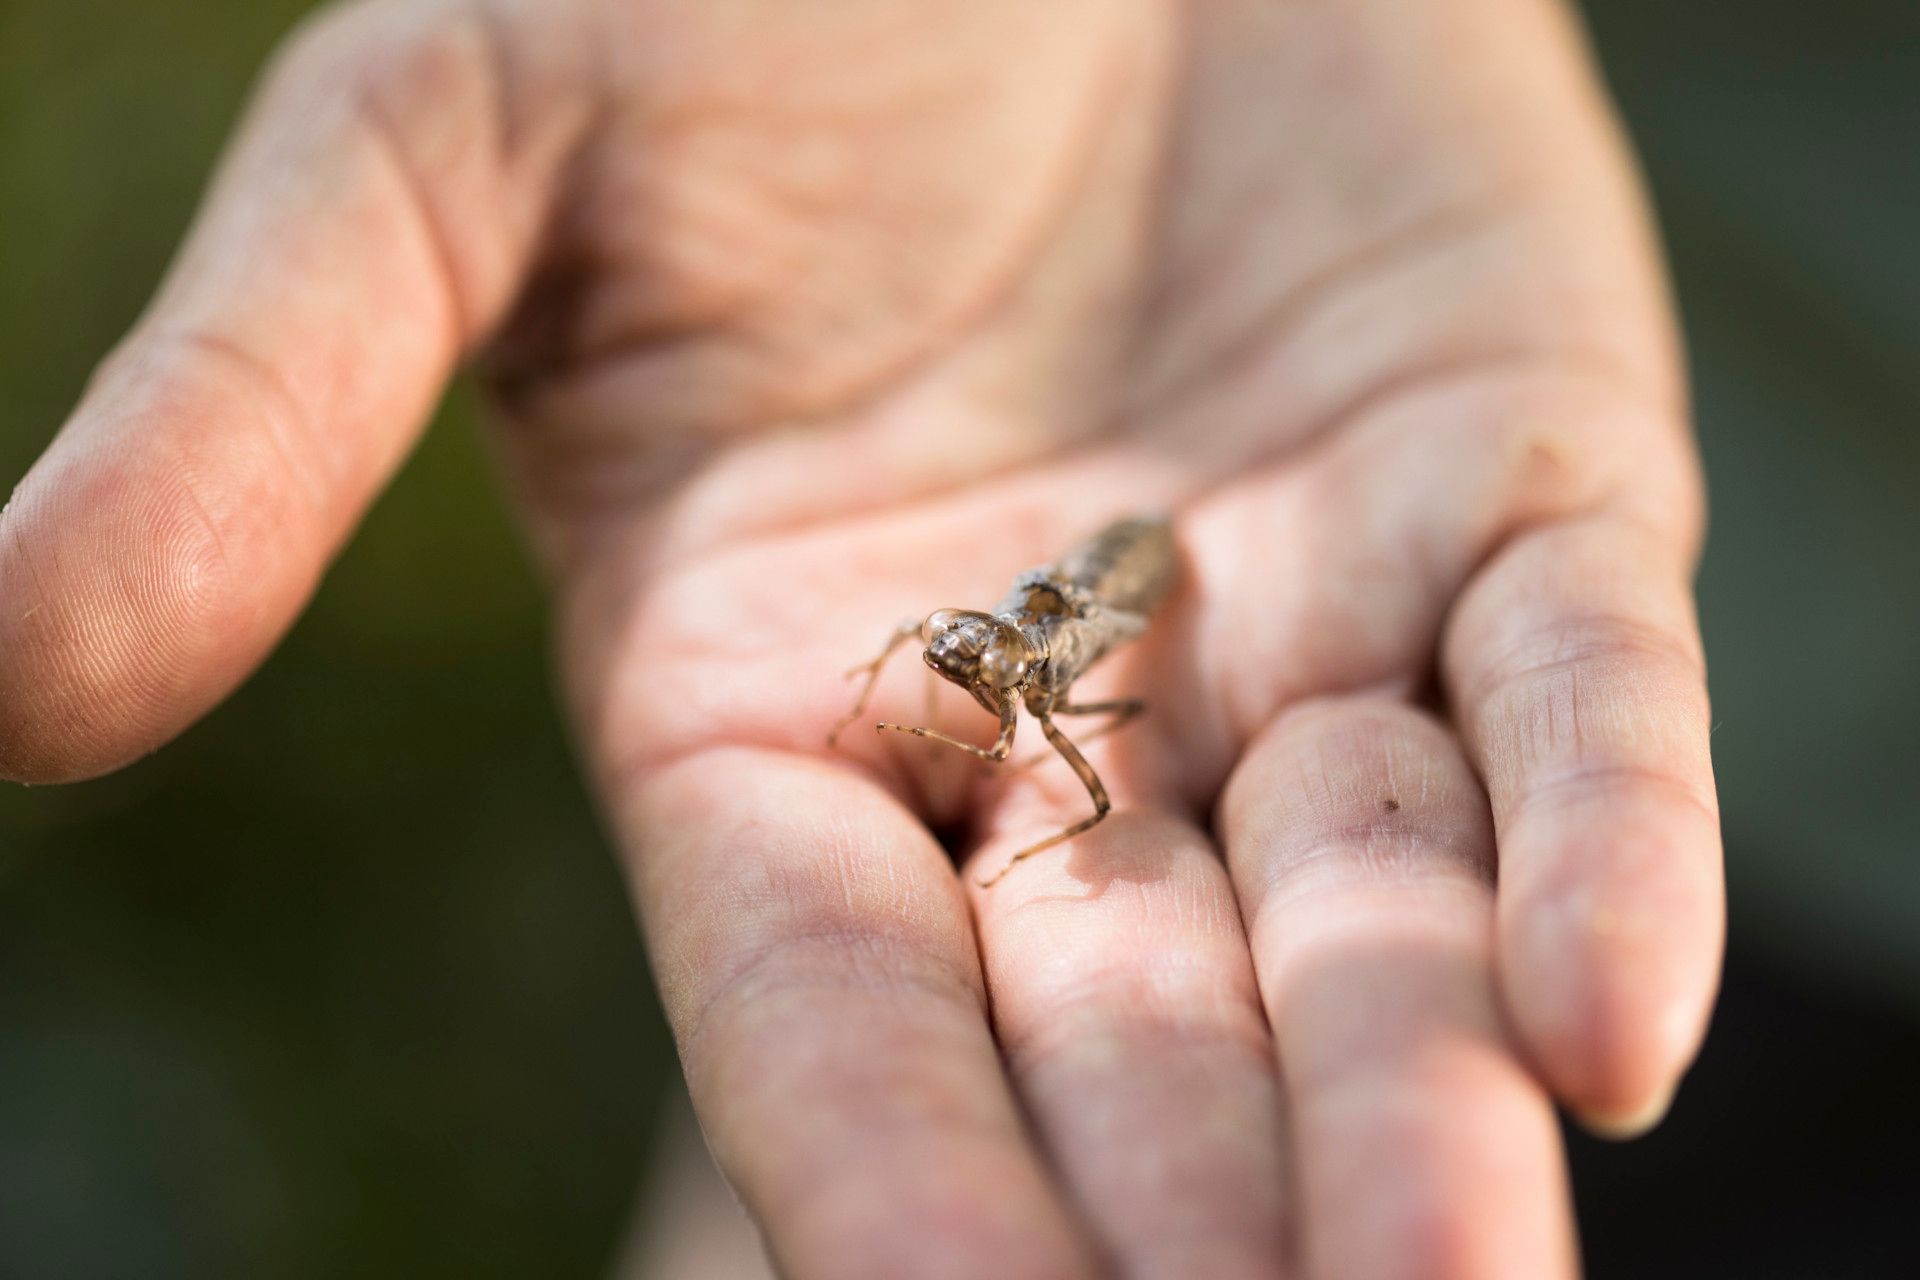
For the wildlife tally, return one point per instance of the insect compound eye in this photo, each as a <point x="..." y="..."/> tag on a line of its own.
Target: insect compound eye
<point x="1005" y="662"/>
<point x="944" y="620"/>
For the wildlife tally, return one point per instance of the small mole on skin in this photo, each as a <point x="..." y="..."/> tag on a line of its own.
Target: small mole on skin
<point x="1390" y="805"/>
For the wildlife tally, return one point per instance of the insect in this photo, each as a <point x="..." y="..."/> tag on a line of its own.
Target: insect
<point x="1053" y="623"/>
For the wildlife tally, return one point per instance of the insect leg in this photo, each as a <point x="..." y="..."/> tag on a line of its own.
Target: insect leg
<point x="901" y="634"/>
<point x="1095" y="789"/>
<point x="1121" y="709"/>
<point x="1002" y="745"/>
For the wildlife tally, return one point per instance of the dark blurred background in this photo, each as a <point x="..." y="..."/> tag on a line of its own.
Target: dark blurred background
<point x="344" y="982"/>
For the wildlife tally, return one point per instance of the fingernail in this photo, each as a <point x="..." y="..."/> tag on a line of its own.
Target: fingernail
<point x="1628" y="1125"/>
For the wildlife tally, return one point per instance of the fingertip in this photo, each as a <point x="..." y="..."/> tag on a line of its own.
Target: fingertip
<point x="1628" y="1125"/>
<point x="1615" y="1066"/>
<point x="1610" y="1001"/>
<point x="142" y="574"/>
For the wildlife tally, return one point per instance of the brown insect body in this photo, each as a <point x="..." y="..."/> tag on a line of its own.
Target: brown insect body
<point x="1096" y="598"/>
<point x="1053" y="624"/>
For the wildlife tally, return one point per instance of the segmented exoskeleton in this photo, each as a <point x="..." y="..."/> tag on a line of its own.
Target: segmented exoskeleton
<point x="1054" y="623"/>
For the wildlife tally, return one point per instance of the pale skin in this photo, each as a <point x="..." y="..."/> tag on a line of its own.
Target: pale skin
<point x="802" y="318"/>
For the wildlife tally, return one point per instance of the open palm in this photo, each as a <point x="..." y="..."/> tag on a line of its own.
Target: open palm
<point x="804" y="319"/>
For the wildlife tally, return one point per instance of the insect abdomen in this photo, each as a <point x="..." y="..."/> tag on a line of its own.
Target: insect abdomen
<point x="1129" y="565"/>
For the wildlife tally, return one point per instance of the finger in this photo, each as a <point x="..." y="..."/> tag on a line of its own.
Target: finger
<point x="1574" y="666"/>
<point x="814" y="955"/>
<point x="687" y="1221"/>
<point x="1125" y="1008"/>
<point x="216" y="461"/>
<point x="1362" y="850"/>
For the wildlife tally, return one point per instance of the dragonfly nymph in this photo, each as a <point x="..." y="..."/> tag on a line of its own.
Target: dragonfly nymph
<point x="1054" y="623"/>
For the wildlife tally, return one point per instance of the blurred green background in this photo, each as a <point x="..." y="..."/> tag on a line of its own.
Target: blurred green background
<point x="344" y="982"/>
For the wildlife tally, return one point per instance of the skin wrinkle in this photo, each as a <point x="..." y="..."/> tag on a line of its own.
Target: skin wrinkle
<point x="785" y="915"/>
<point x="55" y="622"/>
<point x="859" y="960"/>
<point x="848" y="396"/>
<point x="1522" y="729"/>
<point x="1043" y="1043"/>
<point x="1593" y="781"/>
<point x="1540" y="657"/>
<point x="917" y="1128"/>
<point x="1333" y="417"/>
<point x="900" y="496"/>
<point x="1499" y="615"/>
<point x="466" y="45"/>
<point x="504" y="125"/>
<point x="1345" y="885"/>
<point x="702" y="464"/>
<point x="74" y="704"/>
<point x="1178" y="999"/>
<point x="200" y="577"/>
<point x="1382" y="168"/>
<point x="1292" y="309"/>
<point x="464" y="317"/>
<point x="307" y="66"/>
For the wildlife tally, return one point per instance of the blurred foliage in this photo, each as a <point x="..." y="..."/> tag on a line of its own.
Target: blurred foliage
<point x="344" y="981"/>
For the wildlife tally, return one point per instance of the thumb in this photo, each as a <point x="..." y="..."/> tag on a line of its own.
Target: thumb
<point x="169" y="535"/>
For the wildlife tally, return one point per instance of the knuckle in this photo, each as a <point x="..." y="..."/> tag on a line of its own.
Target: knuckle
<point x="1592" y="595"/>
<point x="1175" y="998"/>
<point x="1611" y="782"/>
<point x="750" y="1000"/>
<point x="1607" y="646"/>
<point x="1588" y="703"/>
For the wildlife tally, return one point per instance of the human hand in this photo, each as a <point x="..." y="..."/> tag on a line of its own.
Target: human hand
<point x="800" y="319"/>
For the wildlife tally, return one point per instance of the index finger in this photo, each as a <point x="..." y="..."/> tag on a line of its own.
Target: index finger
<point x="1574" y="664"/>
